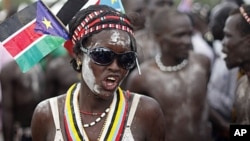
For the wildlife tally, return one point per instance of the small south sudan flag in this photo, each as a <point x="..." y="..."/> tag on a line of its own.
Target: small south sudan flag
<point x="31" y="34"/>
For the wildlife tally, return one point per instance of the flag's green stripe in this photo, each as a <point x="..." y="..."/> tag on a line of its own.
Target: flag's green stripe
<point x="37" y="51"/>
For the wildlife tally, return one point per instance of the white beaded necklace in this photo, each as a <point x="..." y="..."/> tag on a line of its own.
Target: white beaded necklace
<point x="169" y="68"/>
<point x="97" y="120"/>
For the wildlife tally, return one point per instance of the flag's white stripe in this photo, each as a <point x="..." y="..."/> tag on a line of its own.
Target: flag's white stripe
<point x="27" y="48"/>
<point x="90" y="2"/>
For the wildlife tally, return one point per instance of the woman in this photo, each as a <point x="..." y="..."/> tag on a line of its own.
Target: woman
<point x="96" y="108"/>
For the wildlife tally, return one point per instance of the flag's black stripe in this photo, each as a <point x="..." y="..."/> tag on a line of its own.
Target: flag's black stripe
<point x="69" y="9"/>
<point x="17" y="21"/>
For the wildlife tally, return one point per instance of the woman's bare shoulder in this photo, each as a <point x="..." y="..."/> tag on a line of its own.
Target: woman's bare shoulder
<point x="150" y="118"/>
<point x="42" y="112"/>
<point x="147" y="103"/>
<point x="42" y="124"/>
<point x="43" y="109"/>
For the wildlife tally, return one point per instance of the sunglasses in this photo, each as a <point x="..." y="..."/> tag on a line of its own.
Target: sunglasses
<point x="104" y="56"/>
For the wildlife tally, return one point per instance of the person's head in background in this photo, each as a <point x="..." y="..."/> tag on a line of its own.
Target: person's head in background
<point x="238" y="2"/>
<point x="136" y="8"/>
<point x="199" y="15"/>
<point x="236" y="41"/>
<point x="173" y="31"/>
<point x="153" y="5"/>
<point x="218" y="18"/>
<point x="144" y="8"/>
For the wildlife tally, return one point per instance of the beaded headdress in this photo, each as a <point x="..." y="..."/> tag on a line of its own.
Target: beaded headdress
<point x="97" y="21"/>
<point x="92" y="23"/>
<point x="244" y="14"/>
<point x="86" y="28"/>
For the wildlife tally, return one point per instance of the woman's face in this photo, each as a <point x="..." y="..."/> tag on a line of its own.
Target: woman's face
<point x="103" y="80"/>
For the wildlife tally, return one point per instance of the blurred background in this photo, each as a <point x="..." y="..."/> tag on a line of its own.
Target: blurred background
<point x="8" y="7"/>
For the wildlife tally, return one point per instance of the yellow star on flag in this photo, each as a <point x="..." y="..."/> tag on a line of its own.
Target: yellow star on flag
<point x="47" y="23"/>
<point x="113" y="1"/>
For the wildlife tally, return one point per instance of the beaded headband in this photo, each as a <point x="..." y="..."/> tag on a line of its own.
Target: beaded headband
<point x="86" y="28"/>
<point x="244" y="14"/>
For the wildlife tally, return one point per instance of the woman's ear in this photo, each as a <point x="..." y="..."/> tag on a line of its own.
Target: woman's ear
<point x="78" y="59"/>
<point x="79" y="55"/>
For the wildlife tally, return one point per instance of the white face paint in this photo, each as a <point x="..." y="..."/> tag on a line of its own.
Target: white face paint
<point x="88" y="75"/>
<point x="116" y="39"/>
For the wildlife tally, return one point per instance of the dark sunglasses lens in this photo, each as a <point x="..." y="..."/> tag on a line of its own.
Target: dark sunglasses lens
<point x="102" y="56"/>
<point x="127" y="60"/>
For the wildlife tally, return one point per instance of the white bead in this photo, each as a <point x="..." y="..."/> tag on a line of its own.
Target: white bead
<point x="86" y="125"/>
<point x="98" y="119"/>
<point x="92" y="123"/>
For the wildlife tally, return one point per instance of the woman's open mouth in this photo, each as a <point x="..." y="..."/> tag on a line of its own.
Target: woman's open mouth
<point x="110" y="83"/>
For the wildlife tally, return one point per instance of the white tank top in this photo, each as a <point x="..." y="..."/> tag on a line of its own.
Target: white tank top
<point x="127" y="135"/>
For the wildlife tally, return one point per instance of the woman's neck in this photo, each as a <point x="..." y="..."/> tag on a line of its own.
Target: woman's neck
<point x="89" y="102"/>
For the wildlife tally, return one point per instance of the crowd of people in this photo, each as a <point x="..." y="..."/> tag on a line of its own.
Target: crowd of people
<point x="155" y="72"/>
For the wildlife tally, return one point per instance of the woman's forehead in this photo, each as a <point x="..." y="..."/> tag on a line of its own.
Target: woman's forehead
<point x="114" y="37"/>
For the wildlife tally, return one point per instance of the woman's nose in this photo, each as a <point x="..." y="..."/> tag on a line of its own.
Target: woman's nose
<point x="114" y="65"/>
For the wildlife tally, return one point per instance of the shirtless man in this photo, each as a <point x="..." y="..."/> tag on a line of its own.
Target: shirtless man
<point x="147" y="48"/>
<point x="177" y="78"/>
<point x="237" y="48"/>
<point x="223" y="81"/>
<point x="21" y="92"/>
<point x="138" y="7"/>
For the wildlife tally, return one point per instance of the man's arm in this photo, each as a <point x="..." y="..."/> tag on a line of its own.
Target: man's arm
<point x="7" y="77"/>
<point x="219" y="122"/>
<point x="153" y="119"/>
<point x="135" y="83"/>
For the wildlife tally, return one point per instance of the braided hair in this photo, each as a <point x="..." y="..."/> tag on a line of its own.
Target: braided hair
<point x="93" y="20"/>
<point x="244" y="24"/>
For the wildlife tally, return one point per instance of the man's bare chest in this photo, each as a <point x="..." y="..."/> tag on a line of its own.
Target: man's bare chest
<point x="242" y="102"/>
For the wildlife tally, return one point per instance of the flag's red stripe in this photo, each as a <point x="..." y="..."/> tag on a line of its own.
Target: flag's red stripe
<point x="22" y="39"/>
